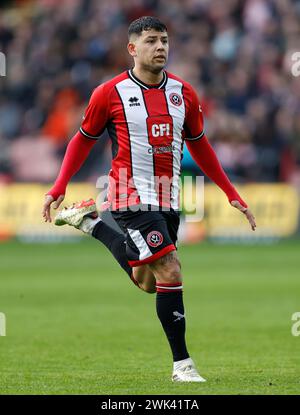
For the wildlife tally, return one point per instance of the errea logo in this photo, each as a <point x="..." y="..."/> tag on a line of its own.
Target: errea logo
<point x="133" y="102"/>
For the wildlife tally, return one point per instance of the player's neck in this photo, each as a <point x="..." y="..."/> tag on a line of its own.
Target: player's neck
<point x="146" y="76"/>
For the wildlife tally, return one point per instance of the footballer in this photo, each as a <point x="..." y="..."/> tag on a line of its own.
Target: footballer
<point x="149" y="114"/>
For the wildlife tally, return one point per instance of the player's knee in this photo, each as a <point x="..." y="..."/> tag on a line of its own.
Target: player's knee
<point x="171" y="278"/>
<point x="167" y="268"/>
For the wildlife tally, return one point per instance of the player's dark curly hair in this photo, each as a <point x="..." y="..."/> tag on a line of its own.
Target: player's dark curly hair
<point x="146" y="23"/>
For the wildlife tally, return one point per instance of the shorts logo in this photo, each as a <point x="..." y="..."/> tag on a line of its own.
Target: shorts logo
<point x="154" y="239"/>
<point x="175" y="99"/>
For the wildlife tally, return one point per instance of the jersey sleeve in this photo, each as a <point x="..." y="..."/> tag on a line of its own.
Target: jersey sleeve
<point x="96" y="114"/>
<point x="194" y="123"/>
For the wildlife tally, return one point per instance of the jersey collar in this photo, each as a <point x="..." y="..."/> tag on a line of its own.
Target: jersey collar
<point x="146" y="86"/>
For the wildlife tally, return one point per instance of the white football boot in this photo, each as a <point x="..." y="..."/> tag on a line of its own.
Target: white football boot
<point x="185" y="371"/>
<point x="83" y="216"/>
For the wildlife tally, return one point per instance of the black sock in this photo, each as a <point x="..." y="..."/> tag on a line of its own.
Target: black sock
<point x="170" y="311"/>
<point x="114" y="241"/>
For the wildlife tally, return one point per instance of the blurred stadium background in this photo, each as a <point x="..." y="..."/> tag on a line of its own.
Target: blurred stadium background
<point x="238" y="56"/>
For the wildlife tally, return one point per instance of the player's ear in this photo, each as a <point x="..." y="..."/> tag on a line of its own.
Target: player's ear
<point x="131" y="49"/>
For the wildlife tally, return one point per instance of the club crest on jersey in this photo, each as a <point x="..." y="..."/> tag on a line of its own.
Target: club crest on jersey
<point x="154" y="239"/>
<point x="175" y="99"/>
<point x="133" y="102"/>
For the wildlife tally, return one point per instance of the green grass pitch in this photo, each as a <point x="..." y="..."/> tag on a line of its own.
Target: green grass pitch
<point x="77" y="325"/>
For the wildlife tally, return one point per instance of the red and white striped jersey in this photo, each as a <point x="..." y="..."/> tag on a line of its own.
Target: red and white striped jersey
<point x="147" y="125"/>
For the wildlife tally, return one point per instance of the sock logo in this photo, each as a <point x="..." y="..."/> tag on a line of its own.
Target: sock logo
<point x="154" y="239"/>
<point x="178" y="315"/>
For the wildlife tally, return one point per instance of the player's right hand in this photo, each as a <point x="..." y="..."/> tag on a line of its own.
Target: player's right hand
<point x="47" y="206"/>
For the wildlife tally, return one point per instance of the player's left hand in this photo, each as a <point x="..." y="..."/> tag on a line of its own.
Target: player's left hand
<point x="47" y="205"/>
<point x="246" y="211"/>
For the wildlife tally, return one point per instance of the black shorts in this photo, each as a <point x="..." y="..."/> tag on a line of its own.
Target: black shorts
<point x="149" y="234"/>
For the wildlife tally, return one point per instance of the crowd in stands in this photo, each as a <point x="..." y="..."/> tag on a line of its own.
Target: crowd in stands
<point x="236" y="53"/>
